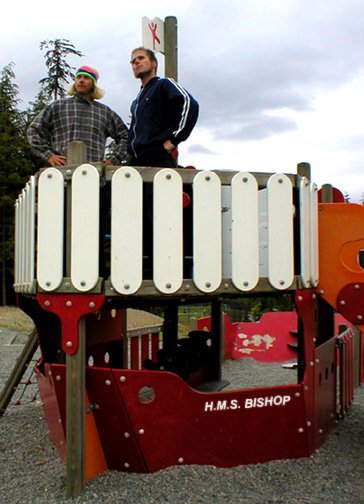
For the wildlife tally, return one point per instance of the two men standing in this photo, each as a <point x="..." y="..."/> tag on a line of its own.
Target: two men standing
<point x="162" y="115"/>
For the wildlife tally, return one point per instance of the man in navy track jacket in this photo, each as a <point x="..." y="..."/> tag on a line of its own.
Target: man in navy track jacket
<point x="162" y="115"/>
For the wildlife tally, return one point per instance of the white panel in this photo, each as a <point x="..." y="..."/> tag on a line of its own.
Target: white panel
<point x="25" y="237"/>
<point x="314" y="235"/>
<point x="30" y="249"/>
<point x="167" y="231"/>
<point x="207" y="231"/>
<point x="245" y="231"/>
<point x="50" y="229"/>
<point x="126" y="230"/>
<point x="16" y="247"/>
<point x="280" y="231"/>
<point x="85" y="227"/>
<point x="18" y="244"/>
<point x="33" y="187"/>
<point x="22" y="240"/>
<point x="305" y="231"/>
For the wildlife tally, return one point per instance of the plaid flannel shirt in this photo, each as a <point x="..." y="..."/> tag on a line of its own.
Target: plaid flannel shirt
<point x="74" y="118"/>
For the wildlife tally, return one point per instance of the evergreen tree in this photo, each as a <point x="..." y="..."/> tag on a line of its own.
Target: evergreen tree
<point x="15" y="168"/>
<point x="41" y="101"/>
<point x="59" y="71"/>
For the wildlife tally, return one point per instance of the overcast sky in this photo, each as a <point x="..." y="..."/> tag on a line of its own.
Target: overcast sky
<point x="278" y="81"/>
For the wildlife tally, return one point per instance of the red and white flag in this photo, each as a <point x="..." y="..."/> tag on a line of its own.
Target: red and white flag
<point x="153" y="34"/>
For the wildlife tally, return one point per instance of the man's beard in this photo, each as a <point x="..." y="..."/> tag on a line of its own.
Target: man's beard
<point x="141" y="74"/>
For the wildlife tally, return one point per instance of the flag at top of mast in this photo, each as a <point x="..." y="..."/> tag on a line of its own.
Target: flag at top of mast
<point x="153" y="34"/>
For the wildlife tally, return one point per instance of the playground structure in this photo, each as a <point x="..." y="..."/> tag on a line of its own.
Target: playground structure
<point x="92" y="241"/>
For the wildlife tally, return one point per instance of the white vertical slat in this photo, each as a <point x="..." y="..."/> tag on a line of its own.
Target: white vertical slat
<point x="245" y="231"/>
<point x="126" y="230"/>
<point x="21" y="241"/>
<point x="16" y="242"/>
<point x="30" y="236"/>
<point x="305" y="231"/>
<point x="50" y="229"/>
<point x="167" y="231"/>
<point x="207" y="231"/>
<point x="85" y="227"/>
<point x="32" y="205"/>
<point x="26" y="238"/>
<point x="314" y="235"/>
<point x="16" y="246"/>
<point x="280" y="231"/>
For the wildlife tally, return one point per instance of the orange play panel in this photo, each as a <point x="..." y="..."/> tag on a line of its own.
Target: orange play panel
<point x="341" y="237"/>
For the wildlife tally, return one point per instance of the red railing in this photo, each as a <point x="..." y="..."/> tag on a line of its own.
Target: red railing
<point x="345" y="346"/>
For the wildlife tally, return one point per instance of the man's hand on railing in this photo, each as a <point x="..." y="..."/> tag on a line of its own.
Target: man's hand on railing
<point x="57" y="160"/>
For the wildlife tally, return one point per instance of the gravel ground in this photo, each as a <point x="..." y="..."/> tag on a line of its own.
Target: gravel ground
<point x="31" y="471"/>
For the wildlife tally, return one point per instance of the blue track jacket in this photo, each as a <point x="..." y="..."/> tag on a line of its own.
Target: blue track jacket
<point x="163" y="110"/>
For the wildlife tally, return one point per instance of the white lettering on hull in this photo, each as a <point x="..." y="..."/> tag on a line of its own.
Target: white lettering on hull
<point x="249" y="403"/>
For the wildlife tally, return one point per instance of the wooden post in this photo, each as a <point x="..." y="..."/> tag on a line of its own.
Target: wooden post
<point x="327" y="193"/>
<point x="75" y="371"/>
<point x="76" y="154"/>
<point x="326" y="314"/>
<point x="304" y="170"/>
<point x="170" y="47"/>
<point x="75" y="417"/>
